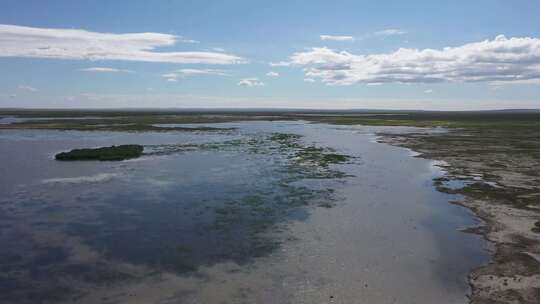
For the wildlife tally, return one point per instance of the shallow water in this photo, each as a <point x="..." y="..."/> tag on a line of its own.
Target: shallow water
<point x="228" y="218"/>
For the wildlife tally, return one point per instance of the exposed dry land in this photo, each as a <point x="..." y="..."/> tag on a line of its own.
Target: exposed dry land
<point x="491" y="159"/>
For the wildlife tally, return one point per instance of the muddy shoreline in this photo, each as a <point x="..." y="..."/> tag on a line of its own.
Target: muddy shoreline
<point x="503" y="194"/>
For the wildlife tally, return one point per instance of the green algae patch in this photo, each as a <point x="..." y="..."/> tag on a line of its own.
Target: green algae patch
<point x="121" y="152"/>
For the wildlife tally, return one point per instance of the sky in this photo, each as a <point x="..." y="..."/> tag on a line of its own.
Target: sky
<point x="417" y="54"/>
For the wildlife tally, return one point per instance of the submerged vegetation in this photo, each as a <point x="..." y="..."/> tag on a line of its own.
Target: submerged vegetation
<point x="186" y="226"/>
<point x="121" y="152"/>
<point x="311" y="154"/>
<point x="310" y="158"/>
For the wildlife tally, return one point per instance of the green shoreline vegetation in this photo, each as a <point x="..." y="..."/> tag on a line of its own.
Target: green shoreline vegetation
<point x="113" y="153"/>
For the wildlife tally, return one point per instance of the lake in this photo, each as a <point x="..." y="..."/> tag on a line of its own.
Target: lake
<point x="268" y="212"/>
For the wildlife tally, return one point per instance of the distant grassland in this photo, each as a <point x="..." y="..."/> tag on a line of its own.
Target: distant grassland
<point x="139" y="120"/>
<point x="488" y="119"/>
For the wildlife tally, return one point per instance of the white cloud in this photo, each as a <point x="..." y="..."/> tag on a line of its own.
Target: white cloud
<point x="499" y="60"/>
<point x="21" y="41"/>
<point x="184" y="40"/>
<point x="309" y="80"/>
<point x="250" y="82"/>
<point x="336" y="38"/>
<point x="390" y="32"/>
<point x="170" y="77"/>
<point x="218" y="49"/>
<point x="272" y="74"/>
<point x="534" y="81"/>
<point x="27" y="88"/>
<point x="383" y="33"/>
<point x="192" y="72"/>
<point x="279" y="64"/>
<point x="183" y="73"/>
<point x="105" y="70"/>
<point x="429" y="91"/>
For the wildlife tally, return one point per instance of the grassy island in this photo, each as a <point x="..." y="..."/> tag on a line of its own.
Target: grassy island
<point x="105" y="153"/>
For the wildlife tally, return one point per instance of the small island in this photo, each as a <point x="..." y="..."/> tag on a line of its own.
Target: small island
<point x="121" y="152"/>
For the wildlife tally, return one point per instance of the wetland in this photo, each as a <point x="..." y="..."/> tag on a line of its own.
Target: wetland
<point x="270" y="207"/>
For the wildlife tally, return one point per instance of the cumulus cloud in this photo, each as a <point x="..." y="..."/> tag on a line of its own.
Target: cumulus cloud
<point x="272" y="74"/>
<point x="309" y="80"/>
<point x="26" y="88"/>
<point x="336" y="38"/>
<point x="429" y="91"/>
<point x="105" y="70"/>
<point x="250" y="82"/>
<point x="22" y="41"/>
<point x="499" y="60"/>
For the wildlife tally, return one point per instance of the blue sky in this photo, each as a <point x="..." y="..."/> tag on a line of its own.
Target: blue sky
<point x="332" y="54"/>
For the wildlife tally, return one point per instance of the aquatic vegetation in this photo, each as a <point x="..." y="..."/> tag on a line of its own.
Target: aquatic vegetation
<point x="299" y="162"/>
<point x="121" y="152"/>
<point x="165" y="149"/>
<point x="320" y="156"/>
<point x="309" y="161"/>
<point x="285" y="138"/>
<point x="301" y="154"/>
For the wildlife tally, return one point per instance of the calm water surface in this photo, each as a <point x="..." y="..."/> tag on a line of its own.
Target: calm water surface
<point x="228" y="217"/>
